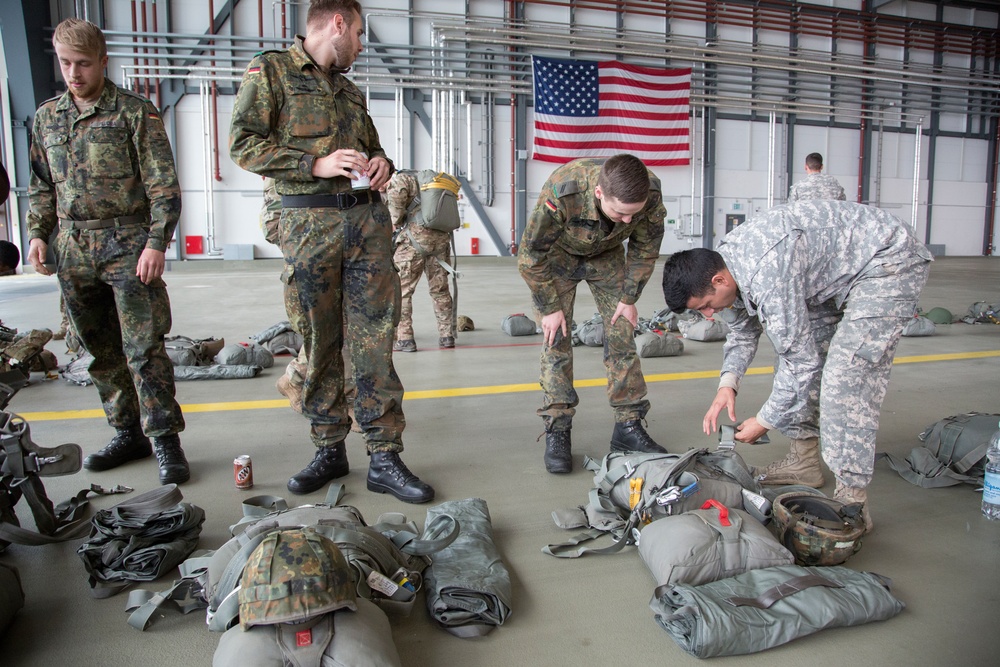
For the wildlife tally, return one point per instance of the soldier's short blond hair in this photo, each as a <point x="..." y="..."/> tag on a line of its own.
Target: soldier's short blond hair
<point x="321" y="11"/>
<point x="80" y="35"/>
<point x="625" y="178"/>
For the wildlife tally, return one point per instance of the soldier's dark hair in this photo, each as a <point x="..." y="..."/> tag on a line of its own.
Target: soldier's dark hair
<point x="10" y="257"/>
<point x="321" y="11"/>
<point x="689" y="274"/>
<point x="625" y="178"/>
<point x="814" y="161"/>
<point x="80" y="35"/>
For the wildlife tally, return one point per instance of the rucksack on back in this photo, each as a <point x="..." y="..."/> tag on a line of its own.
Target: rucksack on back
<point x="439" y="201"/>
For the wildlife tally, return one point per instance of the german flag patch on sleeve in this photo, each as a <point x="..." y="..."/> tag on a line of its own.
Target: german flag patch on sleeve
<point x="254" y="69"/>
<point x="549" y="205"/>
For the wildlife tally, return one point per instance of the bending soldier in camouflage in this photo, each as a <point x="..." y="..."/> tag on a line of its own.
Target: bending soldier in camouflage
<point x="298" y="120"/>
<point x="832" y="283"/>
<point x="102" y="169"/>
<point x="816" y="184"/>
<point x="586" y="211"/>
<point x="419" y="250"/>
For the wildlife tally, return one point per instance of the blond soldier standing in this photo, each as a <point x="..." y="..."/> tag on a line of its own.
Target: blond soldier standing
<point x="102" y="169"/>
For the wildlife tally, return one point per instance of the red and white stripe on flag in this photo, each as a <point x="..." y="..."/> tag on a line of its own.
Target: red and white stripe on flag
<point x="600" y="109"/>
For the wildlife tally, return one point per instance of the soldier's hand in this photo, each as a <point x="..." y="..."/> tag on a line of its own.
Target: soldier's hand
<point x="552" y="325"/>
<point x="340" y="163"/>
<point x="379" y="172"/>
<point x="630" y="312"/>
<point x="37" y="249"/>
<point x="749" y="431"/>
<point x="725" y="398"/>
<point x="151" y="264"/>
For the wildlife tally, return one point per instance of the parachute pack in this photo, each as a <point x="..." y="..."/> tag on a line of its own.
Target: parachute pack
<point x="437" y="206"/>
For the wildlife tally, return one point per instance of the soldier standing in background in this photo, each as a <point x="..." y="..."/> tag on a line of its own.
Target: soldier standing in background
<point x="816" y="184"/>
<point x="102" y="169"/>
<point x="419" y="250"/>
<point x="833" y="283"/>
<point x="577" y="232"/>
<point x="298" y="120"/>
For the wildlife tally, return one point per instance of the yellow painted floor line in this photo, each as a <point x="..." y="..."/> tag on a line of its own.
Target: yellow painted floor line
<point x="232" y="406"/>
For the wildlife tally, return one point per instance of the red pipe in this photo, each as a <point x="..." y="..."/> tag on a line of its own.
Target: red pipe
<point x="260" y="22"/>
<point x="215" y="98"/>
<point x="159" y="99"/>
<point x="145" y="50"/>
<point x="513" y="150"/>
<point x="284" y="24"/>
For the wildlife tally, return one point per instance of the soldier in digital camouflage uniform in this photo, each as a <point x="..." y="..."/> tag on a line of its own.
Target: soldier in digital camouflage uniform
<point x="586" y="211"/>
<point x="816" y="184"/>
<point x="102" y="170"/>
<point x="298" y="120"/>
<point x="418" y="250"/>
<point x="832" y="284"/>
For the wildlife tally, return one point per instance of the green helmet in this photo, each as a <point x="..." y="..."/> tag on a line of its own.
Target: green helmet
<point x="292" y="576"/>
<point x="817" y="529"/>
<point x="940" y="315"/>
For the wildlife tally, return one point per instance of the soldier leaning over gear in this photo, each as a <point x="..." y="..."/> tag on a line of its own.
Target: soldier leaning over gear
<point x="418" y="250"/>
<point x="816" y="184"/>
<point x="832" y="283"/>
<point x="586" y="211"/>
<point x="298" y="120"/>
<point x="102" y="169"/>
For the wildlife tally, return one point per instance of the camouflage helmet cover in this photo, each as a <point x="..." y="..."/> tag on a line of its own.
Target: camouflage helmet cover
<point x="818" y="530"/>
<point x="292" y="576"/>
<point x="465" y="323"/>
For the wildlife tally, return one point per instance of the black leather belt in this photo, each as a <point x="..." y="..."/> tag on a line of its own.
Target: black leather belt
<point x="341" y="200"/>
<point x="120" y="221"/>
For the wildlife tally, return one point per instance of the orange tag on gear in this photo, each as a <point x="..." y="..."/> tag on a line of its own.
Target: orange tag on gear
<point x="304" y="637"/>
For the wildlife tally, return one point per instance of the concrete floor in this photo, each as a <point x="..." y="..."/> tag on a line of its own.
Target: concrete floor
<point x="472" y="432"/>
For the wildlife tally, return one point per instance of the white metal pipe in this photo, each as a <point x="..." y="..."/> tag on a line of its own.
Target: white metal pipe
<point x="771" y="125"/>
<point x="916" y="173"/>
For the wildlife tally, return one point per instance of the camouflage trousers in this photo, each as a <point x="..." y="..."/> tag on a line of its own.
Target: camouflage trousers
<point x="338" y="266"/>
<point x="121" y="322"/>
<point x="626" y="385"/>
<point x="411" y="263"/>
<point x="856" y="374"/>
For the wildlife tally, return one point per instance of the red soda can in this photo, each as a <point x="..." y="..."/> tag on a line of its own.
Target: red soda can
<point x="243" y="472"/>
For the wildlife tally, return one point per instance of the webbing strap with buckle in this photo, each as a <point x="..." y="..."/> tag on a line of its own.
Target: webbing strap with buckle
<point x="105" y="223"/>
<point x="339" y="200"/>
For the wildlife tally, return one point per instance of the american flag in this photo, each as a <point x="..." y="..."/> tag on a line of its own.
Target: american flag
<point x="599" y="109"/>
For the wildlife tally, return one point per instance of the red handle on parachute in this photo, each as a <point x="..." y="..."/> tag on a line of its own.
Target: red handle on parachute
<point x="723" y="510"/>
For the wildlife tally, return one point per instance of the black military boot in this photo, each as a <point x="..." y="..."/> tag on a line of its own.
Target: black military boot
<point x="129" y="444"/>
<point x="630" y="436"/>
<point x="388" y="474"/>
<point x="328" y="464"/>
<point x="557" y="456"/>
<point x="173" y="466"/>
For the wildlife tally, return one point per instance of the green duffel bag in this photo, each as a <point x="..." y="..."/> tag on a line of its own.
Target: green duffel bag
<point x="780" y="604"/>
<point x="361" y="638"/>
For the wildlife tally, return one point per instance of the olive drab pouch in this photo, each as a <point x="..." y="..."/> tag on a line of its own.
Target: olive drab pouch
<point x="954" y="452"/>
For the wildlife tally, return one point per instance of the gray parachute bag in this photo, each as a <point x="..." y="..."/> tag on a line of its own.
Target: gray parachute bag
<point x="518" y="324"/>
<point x="245" y="354"/>
<point x="919" y="326"/>
<point x="467" y="586"/>
<point x="703" y="329"/>
<point x="652" y="344"/>
<point x="362" y="637"/>
<point x="779" y="603"/>
<point x="280" y="338"/>
<point x="954" y="452"/>
<point x="590" y="332"/>
<point x="439" y="201"/>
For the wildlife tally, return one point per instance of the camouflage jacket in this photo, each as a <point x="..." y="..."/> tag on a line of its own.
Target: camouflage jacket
<point x="796" y="260"/>
<point x="816" y="186"/>
<point x="567" y="219"/>
<point x="112" y="160"/>
<point x="401" y="196"/>
<point x="289" y="112"/>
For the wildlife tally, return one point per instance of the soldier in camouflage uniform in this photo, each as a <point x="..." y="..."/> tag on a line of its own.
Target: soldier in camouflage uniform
<point x="816" y="184"/>
<point x="102" y="170"/>
<point x="298" y="120"/>
<point x="832" y="284"/>
<point x="418" y="250"/>
<point x="586" y="211"/>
